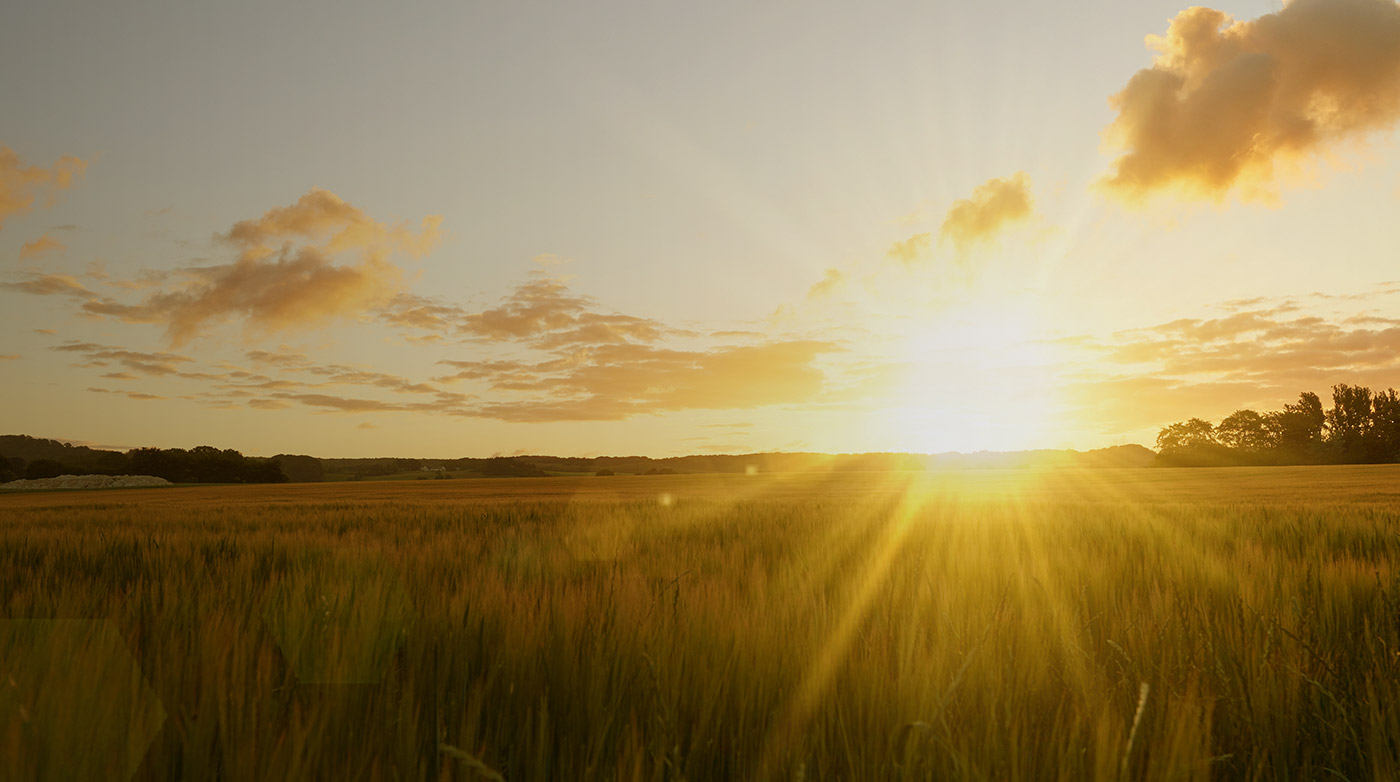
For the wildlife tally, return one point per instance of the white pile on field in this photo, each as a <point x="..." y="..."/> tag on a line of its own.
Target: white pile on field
<point x="84" y="482"/>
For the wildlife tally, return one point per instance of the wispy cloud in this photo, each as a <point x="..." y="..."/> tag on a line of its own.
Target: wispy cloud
<point x="150" y="364"/>
<point x="42" y="246"/>
<point x="830" y="282"/>
<point x="1208" y="367"/>
<point x="612" y="382"/>
<point x="138" y="395"/>
<point x="541" y="312"/>
<point x="911" y="249"/>
<point x="49" y="285"/>
<point x="21" y="185"/>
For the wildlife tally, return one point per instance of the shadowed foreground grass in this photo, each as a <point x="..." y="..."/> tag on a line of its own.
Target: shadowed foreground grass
<point x="1119" y="624"/>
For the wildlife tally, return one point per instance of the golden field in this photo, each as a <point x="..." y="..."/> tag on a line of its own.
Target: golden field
<point x="1000" y="625"/>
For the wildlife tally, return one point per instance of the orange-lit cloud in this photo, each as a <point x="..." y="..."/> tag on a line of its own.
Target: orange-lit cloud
<point x="829" y="283"/>
<point x="140" y="395"/>
<point x="993" y="206"/>
<point x="290" y="272"/>
<point x="44" y="244"/>
<point x="49" y="285"/>
<point x="541" y="312"/>
<point x="323" y="215"/>
<point x="910" y="249"/>
<point x="1247" y="359"/>
<point x="612" y="382"/>
<point x="151" y="364"/>
<point x="1229" y="102"/>
<point x="21" y="185"/>
<point x="9" y="357"/>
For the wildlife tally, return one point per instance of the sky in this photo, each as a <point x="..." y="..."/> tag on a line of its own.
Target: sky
<point x="443" y="229"/>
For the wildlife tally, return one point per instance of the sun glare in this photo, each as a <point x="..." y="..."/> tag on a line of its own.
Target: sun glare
<point x="977" y="379"/>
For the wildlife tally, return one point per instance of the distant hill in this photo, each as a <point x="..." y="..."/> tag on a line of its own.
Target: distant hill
<point x="307" y="469"/>
<point x="1116" y="456"/>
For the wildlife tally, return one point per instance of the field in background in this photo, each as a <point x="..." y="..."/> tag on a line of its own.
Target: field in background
<point x="1072" y="624"/>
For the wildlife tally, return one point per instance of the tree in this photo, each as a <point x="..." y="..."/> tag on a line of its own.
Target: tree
<point x="1349" y="423"/>
<point x="168" y="464"/>
<point x="301" y="469"/>
<point x="1243" y="430"/>
<point x="1299" y="427"/>
<point x="1191" y="443"/>
<point x="1385" y="424"/>
<point x="1186" y="435"/>
<point x="44" y="468"/>
<point x="263" y="471"/>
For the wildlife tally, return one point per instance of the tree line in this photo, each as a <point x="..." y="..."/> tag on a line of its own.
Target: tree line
<point x="28" y="457"/>
<point x="1361" y="427"/>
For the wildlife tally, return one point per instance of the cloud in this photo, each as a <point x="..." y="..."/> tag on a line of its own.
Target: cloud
<point x="49" y="285"/>
<point x="140" y="395"/>
<point x="1261" y="346"/>
<point x="268" y="404"/>
<point x="1208" y="367"/>
<point x="44" y="244"/>
<point x="410" y="310"/>
<point x="910" y="249"/>
<point x="321" y="214"/>
<point x="829" y="284"/>
<point x="287" y="274"/>
<point x="444" y="404"/>
<point x="9" y="357"/>
<point x="613" y="382"/>
<point x="541" y="312"/>
<point x="21" y="185"/>
<point x="151" y="364"/>
<point x="993" y="206"/>
<point x="1229" y="102"/>
<point x="564" y="358"/>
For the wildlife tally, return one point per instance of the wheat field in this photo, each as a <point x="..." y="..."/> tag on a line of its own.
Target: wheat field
<point x="1076" y="624"/>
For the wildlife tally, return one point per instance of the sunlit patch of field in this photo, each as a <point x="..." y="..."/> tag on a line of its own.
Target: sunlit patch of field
<point x="1112" y="624"/>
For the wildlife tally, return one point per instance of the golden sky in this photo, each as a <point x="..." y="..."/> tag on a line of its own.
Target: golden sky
<point x="432" y="230"/>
